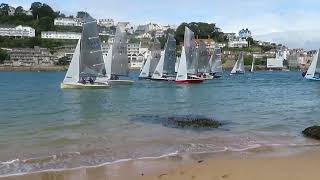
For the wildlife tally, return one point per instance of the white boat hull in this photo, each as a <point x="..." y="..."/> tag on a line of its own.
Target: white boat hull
<point x="313" y="78"/>
<point x="84" y="86"/>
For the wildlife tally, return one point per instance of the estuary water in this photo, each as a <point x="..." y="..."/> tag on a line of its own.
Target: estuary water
<point x="43" y="127"/>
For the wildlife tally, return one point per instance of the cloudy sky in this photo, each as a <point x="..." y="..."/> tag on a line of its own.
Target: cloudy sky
<point x="262" y="17"/>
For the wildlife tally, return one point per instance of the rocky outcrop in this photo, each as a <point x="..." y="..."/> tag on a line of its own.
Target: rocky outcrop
<point x="312" y="132"/>
<point x="193" y="122"/>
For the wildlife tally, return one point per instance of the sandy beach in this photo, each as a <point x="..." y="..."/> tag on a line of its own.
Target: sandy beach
<point x="298" y="167"/>
<point x="303" y="165"/>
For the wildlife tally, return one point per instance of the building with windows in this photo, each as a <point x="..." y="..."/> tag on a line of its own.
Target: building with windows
<point x="148" y="27"/>
<point x="17" y="31"/>
<point x="238" y="43"/>
<point x="60" y="35"/>
<point x="159" y="34"/>
<point x="144" y="36"/>
<point x="68" y="22"/>
<point x="106" y="22"/>
<point x="31" y="57"/>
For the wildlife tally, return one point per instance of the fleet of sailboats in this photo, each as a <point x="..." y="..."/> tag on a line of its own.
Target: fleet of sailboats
<point x="87" y="62"/>
<point x="313" y="72"/>
<point x="89" y="68"/>
<point x="238" y="68"/>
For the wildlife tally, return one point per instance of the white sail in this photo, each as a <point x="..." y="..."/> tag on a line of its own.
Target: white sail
<point x="158" y="72"/>
<point x="107" y="62"/>
<point x="182" y="68"/>
<point x="190" y="48"/>
<point x="91" y="61"/>
<point x="239" y="66"/>
<point x="146" y="68"/>
<point x="155" y="56"/>
<point x="216" y="66"/>
<point x="314" y="67"/>
<point x="119" y="65"/>
<point x="72" y="75"/>
<point x="170" y="56"/>
<point x="253" y="64"/>
<point x="203" y="58"/>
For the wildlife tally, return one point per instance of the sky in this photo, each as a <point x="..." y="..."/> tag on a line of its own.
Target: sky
<point x="262" y="17"/>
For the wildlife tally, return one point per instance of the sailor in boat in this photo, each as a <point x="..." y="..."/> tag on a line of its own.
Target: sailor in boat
<point x="304" y="73"/>
<point x="83" y="81"/>
<point x="91" y="80"/>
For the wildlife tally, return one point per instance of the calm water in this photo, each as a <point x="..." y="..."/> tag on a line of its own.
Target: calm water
<point x="43" y="127"/>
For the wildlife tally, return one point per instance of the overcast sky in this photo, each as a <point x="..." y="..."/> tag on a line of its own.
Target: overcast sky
<point x="260" y="16"/>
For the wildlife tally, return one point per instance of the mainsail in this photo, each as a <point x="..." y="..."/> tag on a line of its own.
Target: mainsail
<point x="203" y="58"/>
<point x="91" y="61"/>
<point x="170" y="56"/>
<point x="182" y="69"/>
<point x="119" y="65"/>
<point x="72" y="75"/>
<point x="155" y="56"/>
<point x="166" y="65"/>
<point x="253" y="64"/>
<point x="216" y="66"/>
<point x="190" y="48"/>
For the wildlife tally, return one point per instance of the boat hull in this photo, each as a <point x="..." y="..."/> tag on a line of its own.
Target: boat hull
<point x="163" y="79"/>
<point x="144" y="78"/>
<point x="84" y="86"/>
<point x="120" y="82"/>
<point x="240" y="72"/>
<point x="189" y="81"/>
<point x="312" y="78"/>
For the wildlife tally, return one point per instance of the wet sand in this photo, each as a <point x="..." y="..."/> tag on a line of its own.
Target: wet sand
<point x="267" y="165"/>
<point x="296" y="167"/>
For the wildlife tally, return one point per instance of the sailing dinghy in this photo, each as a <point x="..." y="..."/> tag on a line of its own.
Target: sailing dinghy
<point x="165" y="70"/>
<point x="239" y="66"/>
<point x="87" y="62"/>
<point x="116" y="61"/>
<point x="313" y="72"/>
<point x="188" y="65"/>
<point x="152" y="61"/>
<point x="215" y="63"/>
<point x="203" y="61"/>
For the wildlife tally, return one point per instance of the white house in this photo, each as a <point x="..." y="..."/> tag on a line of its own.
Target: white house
<point x="238" y="43"/>
<point x="159" y="33"/>
<point x="277" y="62"/>
<point x="68" y="22"/>
<point x="144" y="36"/>
<point x="17" y="31"/>
<point x="60" y="35"/>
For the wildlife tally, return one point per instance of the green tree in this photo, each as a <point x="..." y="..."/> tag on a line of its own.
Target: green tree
<point x="4" y="9"/>
<point x="19" y="11"/>
<point x="81" y="14"/>
<point x="63" y="61"/>
<point x="3" y="56"/>
<point x="201" y="30"/>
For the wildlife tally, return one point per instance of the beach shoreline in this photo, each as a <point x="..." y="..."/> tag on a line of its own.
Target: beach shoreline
<point x="257" y="163"/>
